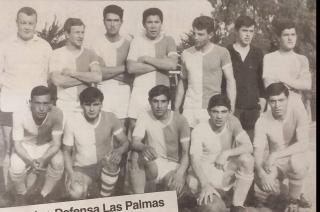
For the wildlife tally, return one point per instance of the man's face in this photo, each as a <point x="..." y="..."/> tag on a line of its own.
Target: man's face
<point x="112" y="23"/>
<point x="288" y="39"/>
<point x="26" y="26"/>
<point x="76" y="36"/>
<point x="159" y="106"/>
<point x="40" y="106"/>
<point x="153" y="26"/>
<point x="278" y="105"/>
<point x="245" y="35"/>
<point x="201" y="37"/>
<point x="218" y="115"/>
<point x="92" y="110"/>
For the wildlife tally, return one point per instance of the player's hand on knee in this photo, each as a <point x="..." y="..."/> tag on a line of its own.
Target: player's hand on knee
<point x="176" y="182"/>
<point x="269" y="163"/>
<point x="206" y="195"/>
<point x="221" y="160"/>
<point x="39" y="165"/>
<point x="267" y="183"/>
<point x="149" y="153"/>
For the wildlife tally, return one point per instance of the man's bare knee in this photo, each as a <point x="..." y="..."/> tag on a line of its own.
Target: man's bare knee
<point x="57" y="161"/>
<point x="246" y="162"/>
<point x="299" y="165"/>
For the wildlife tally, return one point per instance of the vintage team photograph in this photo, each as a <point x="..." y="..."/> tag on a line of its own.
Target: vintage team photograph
<point x="212" y="99"/>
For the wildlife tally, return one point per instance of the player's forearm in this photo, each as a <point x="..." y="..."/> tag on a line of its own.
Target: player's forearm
<point x="196" y="166"/>
<point x="21" y="151"/>
<point x="231" y="92"/>
<point x="68" y="165"/>
<point x="242" y="149"/>
<point x="258" y="154"/>
<point x="111" y="72"/>
<point x="124" y="146"/>
<point x="165" y="64"/>
<point x="137" y="145"/>
<point x="139" y="68"/>
<point x="297" y="147"/>
<point x="184" y="162"/>
<point x="299" y="84"/>
<point x="88" y="77"/>
<point x="51" y="151"/>
<point x="180" y="91"/>
<point x="64" y="81"/>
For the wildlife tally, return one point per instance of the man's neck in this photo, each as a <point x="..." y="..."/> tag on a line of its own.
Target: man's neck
<point x="164" y="118"/>
<point x="285" y="51"/>
<point x="93" y="121"/>
<point x="72" y="48"/>
<point x="206" y="47"/>
<point x="215" y="128"/>
<point x="24" y="40"/>
<point x="38" y="121"/>
<point x="113" y="38"/>
<point x="240" y="46"/>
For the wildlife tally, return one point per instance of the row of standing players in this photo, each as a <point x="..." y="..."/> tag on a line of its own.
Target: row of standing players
<point x="149" y="58"/>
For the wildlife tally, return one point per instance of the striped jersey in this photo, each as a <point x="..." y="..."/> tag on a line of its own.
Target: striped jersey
<point x="26" y="130"/>
<point x="203" y="70"/>
<point x="91" y="142"/>
<point x="81" y="62"/>
<point x="165" y="138"/>
<point x="159" y="48"/>
<point x="207" y="144"/>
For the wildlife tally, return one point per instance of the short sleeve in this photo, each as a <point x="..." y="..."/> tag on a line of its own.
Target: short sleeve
<point x="172" y="47"/>
<point x="134" y="50"/>
<point x="17" y="129"/>
<point x="140" y="128"/>
<point x="184" y="72"/>
<point x="304" y="68"/>
<point x="68" y="134"/>
<point x="57" y="128"/>
<point x="260" y="134"/>
<point x="225" y="59"/>
<point x="55" y="64"/>
<point x="196" y="142"/>
<point x="116" y="125"/>
<point x="239" y="134"/>
<point x="184" y="129"/>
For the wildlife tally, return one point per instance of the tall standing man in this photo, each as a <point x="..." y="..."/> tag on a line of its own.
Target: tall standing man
<point x="286" y="66"/>
<point x="247" y="70"/>
<point x="151" y="56"/>
<point x="203" y="66"/>
<point x="37" y="133"/>
<point x="113" y="48"/>
<point x="73" y="67"/>
<point x="24" y="60"/>
<point x="284" y="128"/>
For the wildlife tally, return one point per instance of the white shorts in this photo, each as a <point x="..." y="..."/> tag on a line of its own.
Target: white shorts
<point x="11" y="101"/>
<point x="164" y="167"/>
<point x="17" y="165"/>
<point x="195" y="116"/>
<point x="117" y="101"/>
<point x="219" y="179"/>
<point x="138" y="102"/>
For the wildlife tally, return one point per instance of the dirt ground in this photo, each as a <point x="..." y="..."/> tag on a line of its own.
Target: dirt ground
<point x="310" y="184"/>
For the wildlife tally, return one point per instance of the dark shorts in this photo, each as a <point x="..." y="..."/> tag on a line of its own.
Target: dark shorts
<point x="6" y="119"/>
<point x="247" y="117"/>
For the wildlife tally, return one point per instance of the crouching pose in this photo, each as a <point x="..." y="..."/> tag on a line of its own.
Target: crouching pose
<point x="220" y="158"/>
<point x="91" y="157"/>
<point x="37" y="135"/>
<point x="162" y="157"/>
<point x="284" y="129"/>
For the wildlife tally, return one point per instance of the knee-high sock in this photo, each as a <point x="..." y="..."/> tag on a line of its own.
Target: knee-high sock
<point x="241" y="188"/>
<point x="108" y="181"/>
<point x="52" y="177"/>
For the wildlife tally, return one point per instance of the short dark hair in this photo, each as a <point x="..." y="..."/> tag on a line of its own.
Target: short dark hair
<point x="70" y="22"/>
<point x="244" y="20"/>
<point x="151" y="11"/>
<point x="203" y="22"/>
<point x="40" y="91"/>
<point x="90" y="95"/>
<point x="112" y="9"/>
<point x="159" y="90"/>
<point x="276" y="89"/>
<point x="219" y="100"/>
<point x="280" y="25"/>
<point x="27" y="10"/>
